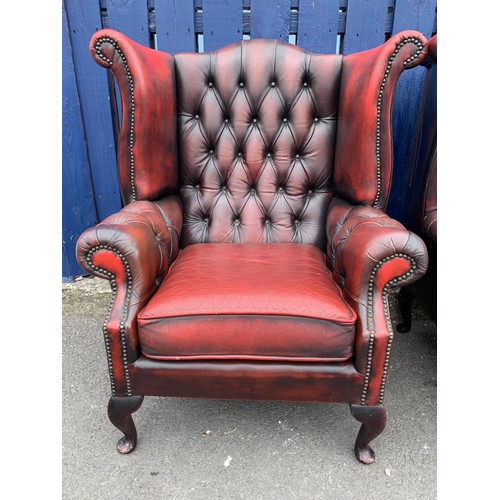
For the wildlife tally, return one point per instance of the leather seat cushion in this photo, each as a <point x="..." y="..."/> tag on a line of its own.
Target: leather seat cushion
<point x="248" y="301"/>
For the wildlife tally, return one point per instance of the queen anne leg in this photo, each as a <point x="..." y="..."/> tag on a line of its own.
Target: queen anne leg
<point x="120" y="410"/>
<point x="373" y="419"/>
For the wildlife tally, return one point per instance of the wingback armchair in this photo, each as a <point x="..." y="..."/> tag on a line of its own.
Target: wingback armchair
<point x="253" y="258"/>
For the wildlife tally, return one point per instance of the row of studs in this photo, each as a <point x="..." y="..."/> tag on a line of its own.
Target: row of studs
<point x="211" y="84"/>
<point x="237" y="222"/>
<point x="281" y="190"/>
<point x="371" y="325"/>
<point x="128" y="294"/>
<point x="108" y="61"/>
<point x="420" y="46"/>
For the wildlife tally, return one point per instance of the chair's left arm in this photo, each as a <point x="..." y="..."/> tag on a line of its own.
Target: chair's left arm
<point x="370" y="253"/>
<point x="133" y="250"/>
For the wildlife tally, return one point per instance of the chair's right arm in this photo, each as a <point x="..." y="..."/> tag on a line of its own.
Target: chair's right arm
<point x="369" y="254"/>
<point x="133" y="250"/>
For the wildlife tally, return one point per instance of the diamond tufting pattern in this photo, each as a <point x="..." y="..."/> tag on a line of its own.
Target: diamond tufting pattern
<point x="257" y="126"/>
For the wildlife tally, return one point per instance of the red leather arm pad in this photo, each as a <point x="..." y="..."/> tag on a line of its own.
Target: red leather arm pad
<point x="369" y="253"/>
<point x="363" y="156"/>
<point x="147" y="152"/>
<point x="133" y="249"/>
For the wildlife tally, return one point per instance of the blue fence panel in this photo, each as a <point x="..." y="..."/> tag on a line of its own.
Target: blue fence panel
<point x="77" y="203"/>
<point x="365" y="25"/>
<point x="84" y="19"/>
<point x="318" y="27"/>
<point x="131" y="18"/>
<point x="222" y="23"/>
<point x="174" y="26"/>
<point x="270" y="19"/>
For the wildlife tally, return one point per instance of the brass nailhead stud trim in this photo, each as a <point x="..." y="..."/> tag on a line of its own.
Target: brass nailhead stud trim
<point x="378" y="139"/>
<point x="131" y="133"/>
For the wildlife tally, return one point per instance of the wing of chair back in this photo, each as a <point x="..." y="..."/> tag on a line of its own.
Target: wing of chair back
<point x="368" y="253"/>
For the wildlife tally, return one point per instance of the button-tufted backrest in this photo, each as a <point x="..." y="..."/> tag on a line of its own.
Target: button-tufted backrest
<point x="256" y="133"/>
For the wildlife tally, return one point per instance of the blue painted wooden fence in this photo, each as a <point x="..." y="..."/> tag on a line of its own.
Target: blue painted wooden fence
<point x="91" y="109"/>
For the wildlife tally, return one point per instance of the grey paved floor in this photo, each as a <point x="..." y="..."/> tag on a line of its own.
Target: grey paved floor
<point x="192" y="449"/>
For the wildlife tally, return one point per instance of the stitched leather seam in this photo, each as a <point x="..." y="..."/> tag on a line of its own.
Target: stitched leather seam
<point x="420" y="46"/>
<point x="109" y="62"/>
<point x="123" y="342"/>
<point x="371" y="327"/>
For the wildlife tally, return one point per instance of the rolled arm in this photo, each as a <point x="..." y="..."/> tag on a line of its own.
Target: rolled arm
<point x="133" y="250"/>
<point x="370" y="253"/>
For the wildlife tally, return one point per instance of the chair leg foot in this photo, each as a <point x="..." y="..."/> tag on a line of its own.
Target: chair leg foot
<point x="405" y="301"/>
<point x="373" y="419"/>
<point x="120" y="410"/>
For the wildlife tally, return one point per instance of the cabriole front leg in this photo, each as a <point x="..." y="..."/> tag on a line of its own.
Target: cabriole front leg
<point x="373" y="419"/>
<point x="120" y="410"/>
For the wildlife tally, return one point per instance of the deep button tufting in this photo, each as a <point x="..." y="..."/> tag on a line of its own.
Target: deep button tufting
<point x="236" y="222"/>
<point x="224" y="189"/>
<point x="280" y="189"/>
<point x="297" y="156"/>
<point x="211" y="152"/>
<point x="305" y="84"/>
<point x="197" y="186"/>
<point x="297" y="222"/>
<point x="205" y="220"/>
<point x="255" y="132"/>
<point x="267" y="222"/>
<point x="196" y="117"/>
<point x="310" y="192"/>
<point x="210" y="84"/>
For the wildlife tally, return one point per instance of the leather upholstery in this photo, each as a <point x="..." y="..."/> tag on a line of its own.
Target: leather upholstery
<point x="248" y="301"/>
<point x="363" y="157"/>
<point x="257" y="128"/>
<point x="179" y="155"/>
<point x="369" y="253"/>
<point x="147" y="149"/>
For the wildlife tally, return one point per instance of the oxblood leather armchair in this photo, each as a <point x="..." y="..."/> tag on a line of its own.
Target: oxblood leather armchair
<point x="253" y="259"/>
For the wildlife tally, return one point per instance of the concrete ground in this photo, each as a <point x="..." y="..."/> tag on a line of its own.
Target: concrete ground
<point x="196" y="449"/>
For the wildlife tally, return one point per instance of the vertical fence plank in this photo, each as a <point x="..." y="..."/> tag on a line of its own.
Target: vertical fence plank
<point x="175" y="26"/>
<point x="84" y="20"/>
<point x="270" y="19"/>
<point x="417" y="15"/>
<point x="131" y="18"/>
<point x="318" y="24"/>
<point x="222" y="23"/>
<point x="365" y="25"/>
<point x="78" y="211"/>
